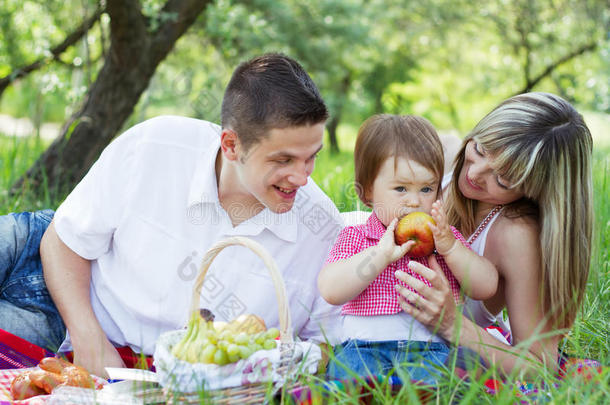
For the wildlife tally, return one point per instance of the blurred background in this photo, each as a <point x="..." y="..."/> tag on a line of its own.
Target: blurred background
<point x="117" y="63"/>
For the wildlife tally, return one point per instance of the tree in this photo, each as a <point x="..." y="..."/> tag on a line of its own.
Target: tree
<point x="137" y="46"/>
<point x="54" y="53"/>
<point x="545" y="34"/>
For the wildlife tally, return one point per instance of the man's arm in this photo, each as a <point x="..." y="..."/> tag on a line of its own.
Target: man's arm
<point x="68" y="278"/>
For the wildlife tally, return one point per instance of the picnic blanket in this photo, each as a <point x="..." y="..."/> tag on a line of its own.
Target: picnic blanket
<point x="6" y="377"/>
<point x="16" y="352"/>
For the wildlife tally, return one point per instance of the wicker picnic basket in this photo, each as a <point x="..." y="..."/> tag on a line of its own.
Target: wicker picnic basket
<point x="291" y="354"/>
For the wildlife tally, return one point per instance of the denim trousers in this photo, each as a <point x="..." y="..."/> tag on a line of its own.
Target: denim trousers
<point x="26" y="308"/>
<point x="414" y="360"/>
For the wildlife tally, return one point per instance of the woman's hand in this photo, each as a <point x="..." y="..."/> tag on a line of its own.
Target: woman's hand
<point x="387" y="244"/>
<point x="444" y="240"/>
<point x="432" y="306"/>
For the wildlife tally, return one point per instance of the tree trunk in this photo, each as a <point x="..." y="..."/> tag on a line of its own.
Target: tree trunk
<point x="332" y="133"/>
<point x="333" y="124"/>
<point x="133" y="57"/>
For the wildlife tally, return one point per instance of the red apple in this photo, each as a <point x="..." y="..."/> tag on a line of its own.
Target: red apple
<point x="414" y="226"/>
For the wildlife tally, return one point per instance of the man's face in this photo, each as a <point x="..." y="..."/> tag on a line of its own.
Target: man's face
<point x="273" y="169"/>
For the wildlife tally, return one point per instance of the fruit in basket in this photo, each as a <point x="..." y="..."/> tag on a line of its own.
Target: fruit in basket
<point x="248" y="323"/>
<point x="211" y="342"/>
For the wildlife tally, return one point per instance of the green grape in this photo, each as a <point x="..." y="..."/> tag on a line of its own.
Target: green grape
<point x="232" y="349"/>
<point x="225" y="335"/>
<point x="245" y="352"/>
<point x="213" y="337"/>
<point x="233" y="357"/>
<point x="269" y="344"/>
<point x="223" y="344"/>
<point x="241" y="339"/>
<point x="207" y="354"/>
<point x="220" y="357"/>
<point x="272" y="333"/>
<point x="260" y="338"/>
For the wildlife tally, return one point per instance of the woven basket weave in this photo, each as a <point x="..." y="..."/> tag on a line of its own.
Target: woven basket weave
<point x="251" y="393"/>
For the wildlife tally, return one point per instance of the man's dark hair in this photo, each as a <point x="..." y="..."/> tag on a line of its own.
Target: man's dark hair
<point x="270" y="91"/>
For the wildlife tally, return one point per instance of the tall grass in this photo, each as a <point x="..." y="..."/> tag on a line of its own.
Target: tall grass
<point x="590" y="336"/>
<point x="16" y="156"/>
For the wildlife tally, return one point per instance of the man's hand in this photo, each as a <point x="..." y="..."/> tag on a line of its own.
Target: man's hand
<point x="95" y="357"/>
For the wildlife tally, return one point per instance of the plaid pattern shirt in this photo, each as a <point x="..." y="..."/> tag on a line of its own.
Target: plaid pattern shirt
<point x="380" y="297"/>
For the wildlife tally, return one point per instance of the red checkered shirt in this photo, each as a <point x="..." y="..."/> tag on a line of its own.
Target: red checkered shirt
<point x="380" y="297"/>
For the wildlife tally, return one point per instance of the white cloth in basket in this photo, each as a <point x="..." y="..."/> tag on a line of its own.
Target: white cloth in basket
<point x="261" y="366"/>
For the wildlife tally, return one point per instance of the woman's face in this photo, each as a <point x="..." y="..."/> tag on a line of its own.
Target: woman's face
<point x="478" y="181"/>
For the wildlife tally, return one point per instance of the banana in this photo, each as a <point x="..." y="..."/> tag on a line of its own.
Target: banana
<point x="178" y="349"/>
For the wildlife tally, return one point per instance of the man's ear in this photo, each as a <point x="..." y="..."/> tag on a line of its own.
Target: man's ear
<point x="229" y="143"/>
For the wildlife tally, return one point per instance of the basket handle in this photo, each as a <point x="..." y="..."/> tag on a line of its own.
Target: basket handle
<point x="278" y="281"/>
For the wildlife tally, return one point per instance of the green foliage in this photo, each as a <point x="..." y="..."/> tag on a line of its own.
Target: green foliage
<point x="448" y="60"/>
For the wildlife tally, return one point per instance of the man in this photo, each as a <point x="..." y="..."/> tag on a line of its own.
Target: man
<point x="122" y="252"/>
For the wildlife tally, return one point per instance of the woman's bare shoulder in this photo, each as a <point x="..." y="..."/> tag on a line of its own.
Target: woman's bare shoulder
<point x="510" y="227"/>
<point x="514" y="240"/>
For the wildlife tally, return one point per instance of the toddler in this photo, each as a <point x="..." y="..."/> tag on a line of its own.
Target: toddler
<point x="398" y="170"/>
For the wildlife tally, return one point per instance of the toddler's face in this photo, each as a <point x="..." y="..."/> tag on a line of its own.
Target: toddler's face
<point x="402" y="186"/>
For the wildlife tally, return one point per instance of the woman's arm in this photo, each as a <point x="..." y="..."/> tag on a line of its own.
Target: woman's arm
<point x="478" y="277"/>
<point x="342" y="281"/>
<point x="513" y="246"/>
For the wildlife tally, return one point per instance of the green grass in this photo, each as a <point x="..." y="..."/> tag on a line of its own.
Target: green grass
<point x="590" y="336"/>
<point x="16" y="156"/>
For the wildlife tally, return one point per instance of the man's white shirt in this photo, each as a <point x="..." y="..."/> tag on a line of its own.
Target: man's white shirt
<point x="147" y="212"/>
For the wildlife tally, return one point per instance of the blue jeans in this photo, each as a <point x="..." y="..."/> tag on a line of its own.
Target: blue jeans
<point x="26" y="308"/>
<point x="420" y="361"/>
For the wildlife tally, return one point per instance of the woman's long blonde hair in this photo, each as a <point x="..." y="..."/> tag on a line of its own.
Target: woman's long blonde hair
<point x="541" y="145"/>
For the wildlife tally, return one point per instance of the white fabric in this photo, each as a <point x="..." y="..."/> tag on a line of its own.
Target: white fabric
<point x="351" y="218"/>
<point x="446" y="180"/>
<point x="148" y="210"/>
<point x="400" y="326"/>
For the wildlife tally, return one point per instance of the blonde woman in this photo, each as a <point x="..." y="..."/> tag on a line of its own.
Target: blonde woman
<point x="521" y="189"/>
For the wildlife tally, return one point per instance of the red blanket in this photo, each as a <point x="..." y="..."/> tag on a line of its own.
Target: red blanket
<point x="16" y="352"/>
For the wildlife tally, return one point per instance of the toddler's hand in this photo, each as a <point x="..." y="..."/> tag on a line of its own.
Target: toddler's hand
<point x="388" y="247"/>
<point x="444" y="240"/>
